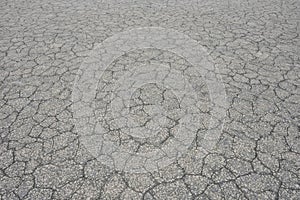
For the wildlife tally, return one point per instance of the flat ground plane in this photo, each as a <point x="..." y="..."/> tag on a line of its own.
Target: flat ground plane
<point x="127" y="99"/>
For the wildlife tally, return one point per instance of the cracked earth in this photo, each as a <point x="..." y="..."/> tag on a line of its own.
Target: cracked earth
<point x="78" y="122"/>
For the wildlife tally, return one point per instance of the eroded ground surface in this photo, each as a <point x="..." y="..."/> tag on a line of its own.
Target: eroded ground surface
<point x="254" y="45"/>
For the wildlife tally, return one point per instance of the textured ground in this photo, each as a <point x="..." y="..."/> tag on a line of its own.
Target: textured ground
<point x="52" y="149"/>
